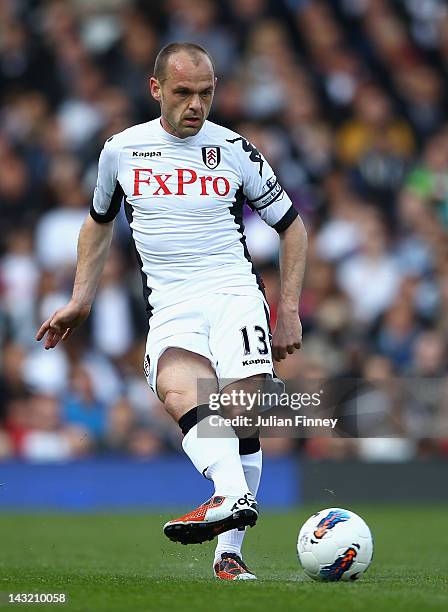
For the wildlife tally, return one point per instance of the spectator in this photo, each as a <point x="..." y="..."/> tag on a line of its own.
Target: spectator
<point x="374" y="261"/>
<point x="79" y="405"/>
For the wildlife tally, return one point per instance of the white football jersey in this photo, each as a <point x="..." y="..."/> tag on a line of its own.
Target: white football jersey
<point x="184" y="201"/>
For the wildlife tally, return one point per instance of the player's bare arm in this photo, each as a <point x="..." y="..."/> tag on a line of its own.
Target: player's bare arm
<point x="93" y="247"/>
<point x="287" y="335"/>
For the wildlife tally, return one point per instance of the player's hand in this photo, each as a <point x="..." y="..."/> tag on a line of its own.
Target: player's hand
<point x="61" y="324"/>
<point x="287" y="336"/>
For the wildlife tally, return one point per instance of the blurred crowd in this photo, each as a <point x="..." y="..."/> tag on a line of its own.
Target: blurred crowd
<point x="346" y="99"/>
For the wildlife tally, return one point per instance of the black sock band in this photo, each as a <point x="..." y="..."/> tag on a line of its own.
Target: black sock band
<point x="193" y="417"/>
<point x="249" y="446"/>
<point x="198" y="413"/>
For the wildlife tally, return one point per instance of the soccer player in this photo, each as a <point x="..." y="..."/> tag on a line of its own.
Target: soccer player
<point x="184" y="181"/>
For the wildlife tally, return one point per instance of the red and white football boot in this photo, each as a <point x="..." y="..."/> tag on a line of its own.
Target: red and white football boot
<point x="217" y="515"/>
<point x="232" y="567"/>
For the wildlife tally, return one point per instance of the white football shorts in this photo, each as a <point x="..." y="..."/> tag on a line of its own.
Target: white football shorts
<point x="231" y="331"/>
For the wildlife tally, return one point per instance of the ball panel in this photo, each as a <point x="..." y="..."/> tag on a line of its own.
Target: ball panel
<point x="309" y="564"/>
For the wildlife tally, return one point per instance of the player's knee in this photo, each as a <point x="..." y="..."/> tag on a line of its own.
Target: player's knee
<point x="177" y="403"/>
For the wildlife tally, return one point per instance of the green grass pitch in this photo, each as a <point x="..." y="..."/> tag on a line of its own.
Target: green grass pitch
<point x="115" y="562"/>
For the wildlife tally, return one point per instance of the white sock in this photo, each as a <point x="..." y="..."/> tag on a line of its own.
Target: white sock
<point x="218" y="459"/>
<point x="231" y="541"/>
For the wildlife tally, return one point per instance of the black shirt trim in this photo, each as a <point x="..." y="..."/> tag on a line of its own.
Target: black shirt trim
<point x="114" y="207"/>
<point x="290" y="216"/>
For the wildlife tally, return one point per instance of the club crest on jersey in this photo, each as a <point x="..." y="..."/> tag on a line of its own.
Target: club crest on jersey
<point x="211" y="156"/>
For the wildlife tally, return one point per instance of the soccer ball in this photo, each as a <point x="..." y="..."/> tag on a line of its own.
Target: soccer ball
<point x="335" y="544"/>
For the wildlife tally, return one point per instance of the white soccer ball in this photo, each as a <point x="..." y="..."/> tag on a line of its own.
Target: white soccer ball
<point x="335" y="544"/>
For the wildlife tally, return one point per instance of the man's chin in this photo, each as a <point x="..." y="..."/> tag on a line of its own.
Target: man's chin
<point x="187" y="131"/>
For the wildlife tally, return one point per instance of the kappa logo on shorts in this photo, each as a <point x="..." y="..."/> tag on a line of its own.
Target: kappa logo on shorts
<point x="247" y="362"/>
<point x="211" y="156"/>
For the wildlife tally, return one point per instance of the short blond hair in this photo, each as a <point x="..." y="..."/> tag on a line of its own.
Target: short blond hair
<point x="193" y="50"/>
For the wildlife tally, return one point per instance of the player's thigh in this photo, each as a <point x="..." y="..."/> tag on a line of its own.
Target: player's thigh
<point x="184" y="380"/>
<point x="246" y="391"/>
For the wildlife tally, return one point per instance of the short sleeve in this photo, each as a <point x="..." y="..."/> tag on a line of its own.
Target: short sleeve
<point x="264" y="193"/>
<point x="108" y="193"/>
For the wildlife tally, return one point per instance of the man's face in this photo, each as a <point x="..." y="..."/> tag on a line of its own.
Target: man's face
<point x="185" y="94"/>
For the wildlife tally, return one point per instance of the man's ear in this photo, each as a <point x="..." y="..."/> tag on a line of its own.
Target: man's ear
<point x="154" y="88"/>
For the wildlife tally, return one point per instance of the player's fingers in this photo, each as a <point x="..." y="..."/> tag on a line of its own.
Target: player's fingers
<point x="279" y="353"/>
<point x="43" y="329"/>
<point x="51" y="343"/>
<point x="298" y="345"/>
<point x="67" y="333"/>
<point x="53" y="337"/>
<point x="49" y="339"/>
<point x="290" y="348"/>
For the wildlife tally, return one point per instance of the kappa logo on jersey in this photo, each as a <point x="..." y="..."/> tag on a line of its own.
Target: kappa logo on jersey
<point x="211" y="156"/>
<point x="146" y="154"/>
<point x="175" y="184"/>
<point x="254" y="154"/>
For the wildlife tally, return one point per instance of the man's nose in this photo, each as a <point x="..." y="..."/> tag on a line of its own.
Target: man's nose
<point x="195" y="103"/>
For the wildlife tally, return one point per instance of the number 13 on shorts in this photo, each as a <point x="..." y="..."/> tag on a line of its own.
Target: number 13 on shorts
<point x="241" y="340"/>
